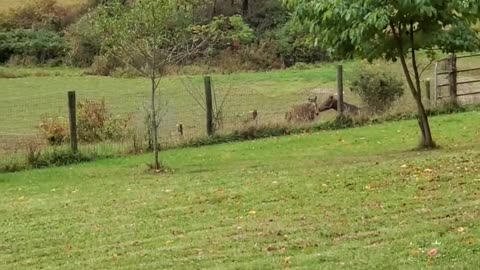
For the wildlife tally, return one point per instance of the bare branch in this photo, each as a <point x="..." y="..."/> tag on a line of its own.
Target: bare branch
<point x="125" y="53"/>
<point x="414" y="59"/>
<point x="158" y="83"/>
<point x="191" y="92"/>
<point x="426" y="67"/>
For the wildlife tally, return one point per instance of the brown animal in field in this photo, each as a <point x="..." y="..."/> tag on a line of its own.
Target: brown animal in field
<point x="180" y="129"/>
<point x="252" y="116"/>
<point x="332" y="103"/>
<point x="305" y="112"/>
<point x="249" y="117"/>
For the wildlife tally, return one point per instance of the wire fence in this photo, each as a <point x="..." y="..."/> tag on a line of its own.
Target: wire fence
<point x="21" y="116"/>
<point x="181" y="105"/>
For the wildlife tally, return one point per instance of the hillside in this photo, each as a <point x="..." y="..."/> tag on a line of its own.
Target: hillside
<point x="7" y="4"/>
<point x="352" y="199"/>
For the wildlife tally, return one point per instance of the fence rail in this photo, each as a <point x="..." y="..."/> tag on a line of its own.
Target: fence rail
<point x="453" y="77"/>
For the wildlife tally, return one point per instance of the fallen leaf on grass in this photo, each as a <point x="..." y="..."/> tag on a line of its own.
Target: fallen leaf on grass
<point x="433" y="252"/>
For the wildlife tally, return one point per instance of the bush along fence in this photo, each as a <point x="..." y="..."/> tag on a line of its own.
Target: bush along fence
<point x="202" y="115"/>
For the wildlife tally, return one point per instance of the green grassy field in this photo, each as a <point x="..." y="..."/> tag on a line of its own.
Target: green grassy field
<point x="42" y="91"/>
<point x="39" y="93"/>
<point x="352" y="199"/>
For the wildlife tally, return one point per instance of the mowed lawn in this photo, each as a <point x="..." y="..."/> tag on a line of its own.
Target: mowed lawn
<point x="351" y="199"/>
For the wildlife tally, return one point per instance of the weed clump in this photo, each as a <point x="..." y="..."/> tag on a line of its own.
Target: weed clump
<point x="378" y="90"/>
<point x="55" y="130"/>
<point x="36" y="159"/>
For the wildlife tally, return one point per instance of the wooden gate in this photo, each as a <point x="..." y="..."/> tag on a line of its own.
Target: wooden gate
<point x="457" y="79"/>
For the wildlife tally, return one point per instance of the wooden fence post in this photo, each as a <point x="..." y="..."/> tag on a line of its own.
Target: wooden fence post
<point x="452" y="78"/>
<point x="208" y="98"/>
<point x="427" y="90"/>
<point x="72" y="112"/>
<point x="340" y="88"/>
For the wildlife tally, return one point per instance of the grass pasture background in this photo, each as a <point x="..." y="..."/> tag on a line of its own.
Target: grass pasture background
<point x="42" y="93"/>
<point x="351" y="199"/>
<point x="30" y="95"/>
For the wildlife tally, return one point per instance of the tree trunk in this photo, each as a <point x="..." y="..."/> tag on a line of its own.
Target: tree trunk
<point x="214" y="9"/>
<point x="245" y="7"/>
<point x="154" y="126"/>
<point x="153" y="78"/>
<point x="426" y="139"/>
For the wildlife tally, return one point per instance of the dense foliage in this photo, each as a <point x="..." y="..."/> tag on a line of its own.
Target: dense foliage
<point x="41" y="14"/>
<point x="225" y="32"/>
<point x="41" y="45"/>
<point x="377" y="89"/>
<point x="243" y="34"/>
<point x="260" y="34"/>
<point x="393" y="30"/>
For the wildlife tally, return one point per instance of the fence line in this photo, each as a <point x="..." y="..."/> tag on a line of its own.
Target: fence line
<point x="181" y="106"/>
<point x="462" y="80"/>
<point x="20" y="117"/>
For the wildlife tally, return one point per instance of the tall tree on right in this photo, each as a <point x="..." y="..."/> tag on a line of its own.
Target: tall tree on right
<point x="391" y="30"/>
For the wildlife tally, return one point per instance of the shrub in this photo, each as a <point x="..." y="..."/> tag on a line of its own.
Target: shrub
<point x="41" y="14"/>
<point x="267" y="15"/>
<point x="91" y="118"/>
<point x="102" y="65"/>
<point x="41" y="45"/>
<point x="126" y="72"/>
<point x="116" y="128"/>
<point x="33" y="154"/>
<point x="83" y="41"/>
<point x="95" y="123"/>
<point x="55" y="130"/>
<point x="262" y="57"/>
<point x="377" y="89"/>
<point x="223" y="33"/>
<point x="293" y="44"/>
<point x="61" y="158"/>
<point x="36" y="159"/>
